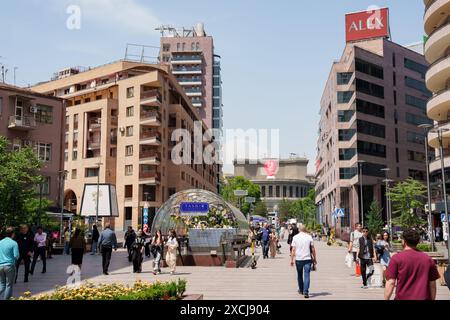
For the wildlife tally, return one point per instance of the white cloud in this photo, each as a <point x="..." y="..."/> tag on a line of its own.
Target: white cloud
<point x="126" y="15"/>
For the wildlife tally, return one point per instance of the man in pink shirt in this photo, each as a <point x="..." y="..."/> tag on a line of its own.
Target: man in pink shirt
<point x="414" y="271"/>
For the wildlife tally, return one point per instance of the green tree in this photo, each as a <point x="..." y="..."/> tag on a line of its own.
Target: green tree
<point x="407" y="197"/>
<point x="19" y="174"/>
<point x="285" y="210"/>
<point x="240" y="183"/>
<point x="260" y="209"/>
<point x="374" y="220"/>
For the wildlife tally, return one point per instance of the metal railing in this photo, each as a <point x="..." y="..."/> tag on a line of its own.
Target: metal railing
<point x="144" y="154"/>
<point x="21" y="121"/>
<point x="151" y="94"/>
<point x="145" y="114"/>
<point x="150" y="135"/>
<point x="149" y="175"/>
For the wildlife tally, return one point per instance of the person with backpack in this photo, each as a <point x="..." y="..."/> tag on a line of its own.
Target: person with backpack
<point x="137" y="252"/>
<point x="157" y="246"/>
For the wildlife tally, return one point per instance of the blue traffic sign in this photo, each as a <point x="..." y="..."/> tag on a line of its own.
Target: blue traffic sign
<point x="443" y="217"/>
<point x="194" y="207"/>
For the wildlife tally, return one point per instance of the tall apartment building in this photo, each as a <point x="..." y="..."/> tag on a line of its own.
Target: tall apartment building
<point x="372" y="104"/>
<point x="437" y="50"/>
<point x="190" y="54"/>
<point x="30" y="119"/>
<point x="118" y="126"/>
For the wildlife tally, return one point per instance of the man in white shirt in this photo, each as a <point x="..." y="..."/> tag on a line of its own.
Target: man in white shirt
<point x="353" y="246"/>
<point x="40" y="242"/>
<point x="304" y="255"/>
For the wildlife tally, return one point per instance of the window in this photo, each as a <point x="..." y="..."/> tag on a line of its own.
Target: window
<point x="91" y="172"/>
<point x="347" y="173"/>
<point x="417" y="120"/>
<point x="1" y="105"/>
<point x="346" y="135"/>
<point x="129" y="191"/>
<point x="415" y="137"/>
<point x="74" y="155"/>
<point x="371" y="149"/>
<point x="44" y="187"/>
<point x="99" y="97"/>
<point x="270" y="191"/>
<point x="346" y="154"/>
<point x="371" y="129"/>
<point x="397" y="155"/>
<point x="129" y="151"/>
<point x="394" y="79"/>
<point x="171" y="191"/>
<point x="113" y="152"/>
<point x="44" y="151"/>
<point x="66" y="155"/>
<point x="395" y="98"/>
<point x="263" y="191"/>
<point x="369" y="68"/>
<point x="129" y="131"/>
<point x="130" y="92"/>
<point x="373" y="170"/>
<point x="128" y="213"/>
<point x="182" y="175"/>
<point x="44" y="114"/>
<point x="166" y="47"/>
<point x="129" y="170"/>
<point x="344" y="96"/>
<point x="415" y="66"/>
<point x="345" y="116"/>
<point x="396" y="135"/>
<point x="418" y="85"/>
<point x="370" y="88"/>
<point x="398" y="172"/>
<point x="393" y="59"/>
<point x="417" y="174"/>
<point x="216" y="92"/>
<point x="284" y="191"/>
<point x="74" y="173"/>
<point x="416" y="103"/>
<point x="395" y="116"/>
<point x="130" y="111"/>
<point x="277" y="191"/>
<point x="416" y="156"/>
<point x="370" y="108"/>
<point x="192" y="46"/>
<point x="344" y="77"/>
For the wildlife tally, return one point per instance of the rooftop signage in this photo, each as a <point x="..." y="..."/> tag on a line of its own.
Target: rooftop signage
<point x="373" y="23"/>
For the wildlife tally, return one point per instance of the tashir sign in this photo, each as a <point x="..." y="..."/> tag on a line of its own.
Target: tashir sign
<point x="373" y="23"/>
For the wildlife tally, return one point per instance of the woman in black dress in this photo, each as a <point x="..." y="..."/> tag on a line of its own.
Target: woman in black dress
<point x="78" y="246"/>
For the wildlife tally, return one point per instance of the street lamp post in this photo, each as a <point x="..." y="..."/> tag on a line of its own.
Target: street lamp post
<point x="440" y="131"/>
<point x="388" y="200"/>
<point x="98" y="192"/>
<point x="62" y="175"/>
<point x="360" y="165"/>
<point x="427" y="128"/>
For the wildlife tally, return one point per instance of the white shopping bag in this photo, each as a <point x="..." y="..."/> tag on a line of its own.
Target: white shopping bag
<point x="349" y="260"/>
<point x="375" y="280"/>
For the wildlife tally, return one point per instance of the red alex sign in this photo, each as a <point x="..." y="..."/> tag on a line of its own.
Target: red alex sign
<point x="367" y="24"/>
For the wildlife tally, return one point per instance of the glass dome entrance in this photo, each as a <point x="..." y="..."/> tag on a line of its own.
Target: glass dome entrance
<point x="217" y="214"/>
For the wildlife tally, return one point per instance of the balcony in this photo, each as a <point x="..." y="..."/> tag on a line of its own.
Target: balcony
<point x="436" y="164"/>
<point x="187" y="59"/>
<point x="150" y="117"/>
<point x="149" y="177"/>
<point x="150" y="138"/>
<point x="183" y="70"/>
<point x="190" y="81"/>
<point x="151" y="157"/>
<point x="436" y="13"/>
<point x="94" y="144"/>
<point x="21" y="123"/>
<point x="193" y="92"/>
<point x="95" y="124"/>
<point x="437" y="44"/>
<point x="438" y="74"/>
<point x="439" y="105"/>
<point x="151" y="98"/>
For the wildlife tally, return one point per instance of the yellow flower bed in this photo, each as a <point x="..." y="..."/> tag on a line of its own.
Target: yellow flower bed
<point x="139" y="291"/>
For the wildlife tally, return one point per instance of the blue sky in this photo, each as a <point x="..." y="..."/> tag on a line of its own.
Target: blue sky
<point x="276" y="55"/>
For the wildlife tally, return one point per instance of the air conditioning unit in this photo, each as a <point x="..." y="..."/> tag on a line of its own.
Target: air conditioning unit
<point x="33" y="109"/>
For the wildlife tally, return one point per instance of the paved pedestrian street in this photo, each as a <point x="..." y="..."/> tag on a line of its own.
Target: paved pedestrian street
<point x="274" y="279"/>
